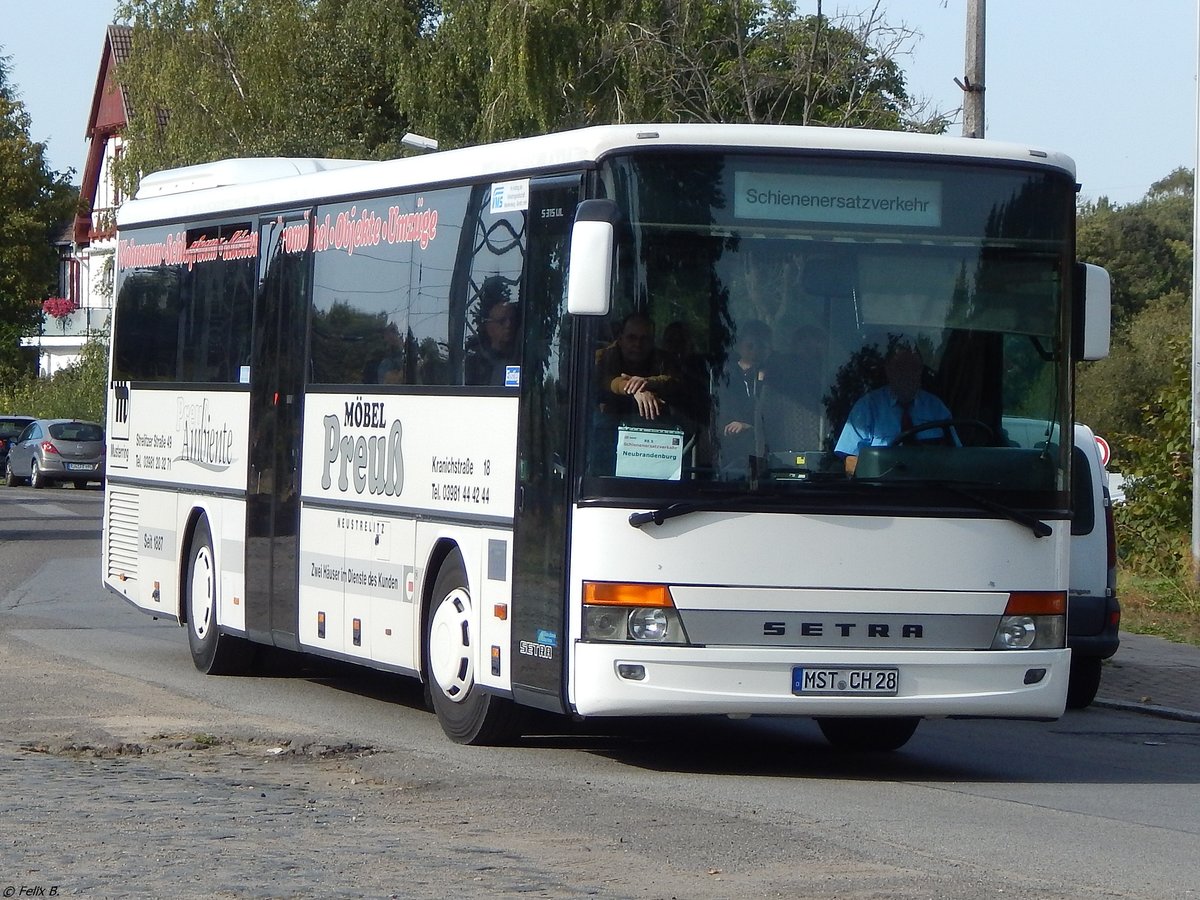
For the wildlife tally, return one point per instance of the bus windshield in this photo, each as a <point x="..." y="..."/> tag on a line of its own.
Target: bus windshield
<point x="782" y="327"/>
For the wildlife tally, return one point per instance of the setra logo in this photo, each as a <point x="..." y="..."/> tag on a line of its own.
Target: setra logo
<point x="846" y="630"/>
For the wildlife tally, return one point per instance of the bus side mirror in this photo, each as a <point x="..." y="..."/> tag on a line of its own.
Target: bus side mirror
<point x="1093" y="312"/>
<point x="593" y="241"/>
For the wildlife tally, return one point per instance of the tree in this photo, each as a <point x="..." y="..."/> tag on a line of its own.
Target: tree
<point x="1146" y="246"/>
<point x="493" y="69"/>
<point x="34" y="204"/>
<point x="1141" y="394"/>
<point x="1155" y="520"/>
<point x="209" y="80"/>
<point x="1147" y="249"/>
<point x="1112" y="393"/>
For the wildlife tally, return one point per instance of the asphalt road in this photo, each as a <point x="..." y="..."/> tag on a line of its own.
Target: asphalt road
<point x="126" y="773"/>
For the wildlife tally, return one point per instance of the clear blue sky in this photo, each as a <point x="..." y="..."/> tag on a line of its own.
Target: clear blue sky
<point x="1110" y="82"/>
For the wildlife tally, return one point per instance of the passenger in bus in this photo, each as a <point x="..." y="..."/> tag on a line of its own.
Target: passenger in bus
<point x="390" y="368"/>
<point x="634" y="376"/>
<point x="494" y="347"/>
<point x="882" y="415"/>
<point x="738" y="393"/>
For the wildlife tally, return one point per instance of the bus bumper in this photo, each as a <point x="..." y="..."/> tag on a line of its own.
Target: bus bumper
<point x="631" y="680"/>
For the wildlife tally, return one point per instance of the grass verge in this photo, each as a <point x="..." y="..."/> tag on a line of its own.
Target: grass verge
<point x="1167" y="607"/>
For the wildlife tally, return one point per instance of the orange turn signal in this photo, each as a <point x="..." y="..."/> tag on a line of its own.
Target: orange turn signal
<point x="611" y="593"/>
<point x="1036" y="603"/>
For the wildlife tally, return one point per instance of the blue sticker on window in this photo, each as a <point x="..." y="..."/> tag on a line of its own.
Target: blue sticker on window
<point x="512" y="376"/>
<point x="549" y="638"/>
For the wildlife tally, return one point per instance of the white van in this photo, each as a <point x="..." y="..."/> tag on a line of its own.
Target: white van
<point x="1093" y="612"/>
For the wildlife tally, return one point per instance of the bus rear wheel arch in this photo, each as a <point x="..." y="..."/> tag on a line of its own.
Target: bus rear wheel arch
<point x="213" y="652"/>
<point x="467" y="714"/>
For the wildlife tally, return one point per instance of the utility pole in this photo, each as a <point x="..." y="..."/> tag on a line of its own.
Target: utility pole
<point x="972" y="80"/>
<point x="1196" y="337"/>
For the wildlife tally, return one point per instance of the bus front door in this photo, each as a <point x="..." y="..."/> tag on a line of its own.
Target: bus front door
<point x="276" y="407"/>
<point x="539" y="621"/>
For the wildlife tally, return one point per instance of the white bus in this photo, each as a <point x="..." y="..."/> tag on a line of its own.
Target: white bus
<point x="470" y="417"/>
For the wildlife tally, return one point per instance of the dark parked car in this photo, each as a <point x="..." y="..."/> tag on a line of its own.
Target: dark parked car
<point x="10" y="429"/>
<point x="51" y="450"/>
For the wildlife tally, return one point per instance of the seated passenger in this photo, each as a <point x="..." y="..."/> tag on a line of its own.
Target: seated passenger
<point x="390" y="367"/>
<point x="633" y="376"/>
<point x="738" y="394"/>
<point x="494" y="347"/>
<point x="882" y="415"/>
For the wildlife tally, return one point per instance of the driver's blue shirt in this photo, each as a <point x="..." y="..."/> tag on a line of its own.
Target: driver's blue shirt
<point x="875" y="420"/>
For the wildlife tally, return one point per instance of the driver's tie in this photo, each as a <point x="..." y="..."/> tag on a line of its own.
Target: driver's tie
<point x="906" y="420"/>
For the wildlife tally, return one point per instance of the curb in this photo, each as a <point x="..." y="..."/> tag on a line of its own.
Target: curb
<point x="1162" y="712"/>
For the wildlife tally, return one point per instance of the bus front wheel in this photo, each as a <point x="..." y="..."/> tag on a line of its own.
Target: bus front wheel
<point x="213" y="653"/>
<point x="466" y="713"/>
<point x="868" y="735"/>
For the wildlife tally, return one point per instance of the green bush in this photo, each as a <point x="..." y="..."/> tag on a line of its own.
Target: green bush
<point x="75" y="392"/>
<point x="1155" y="521"/>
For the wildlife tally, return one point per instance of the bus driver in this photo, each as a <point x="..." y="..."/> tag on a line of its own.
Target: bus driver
<point x="882" y="415"/>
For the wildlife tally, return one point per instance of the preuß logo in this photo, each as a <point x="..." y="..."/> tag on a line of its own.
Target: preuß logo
<point x="373" y="464"/>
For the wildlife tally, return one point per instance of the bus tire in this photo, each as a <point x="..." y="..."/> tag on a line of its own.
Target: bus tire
<point x="213" y="653"/>
<point x="467" y="714"/>
<point x="1084" y="681"/>
<point x="868" y="735"/>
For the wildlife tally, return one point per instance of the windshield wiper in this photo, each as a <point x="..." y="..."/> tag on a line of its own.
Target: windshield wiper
<point x="658" y="516"/>
<point x="784" y="501"/>
<point x="684" y="507"/>
<point x="1039" y="528"/>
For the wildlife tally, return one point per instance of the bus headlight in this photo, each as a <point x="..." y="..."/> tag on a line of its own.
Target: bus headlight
<point x="601" y="624"/>
<point x="642" y="613"/>
<point x="648" y="624"/>
<point x="1015" y="633"/>
<point x="1033" y="620"/>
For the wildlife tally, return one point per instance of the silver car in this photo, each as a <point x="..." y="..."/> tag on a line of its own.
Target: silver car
<point x="50" y="450"/>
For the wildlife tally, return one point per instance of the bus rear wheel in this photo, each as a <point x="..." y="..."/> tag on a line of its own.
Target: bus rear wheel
<point x="868" y="735"/>
<point x="213" y="653"/>
<point x="467" y="714"/>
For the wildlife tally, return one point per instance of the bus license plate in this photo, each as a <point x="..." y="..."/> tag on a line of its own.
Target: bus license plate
<point x="845" y="680"/>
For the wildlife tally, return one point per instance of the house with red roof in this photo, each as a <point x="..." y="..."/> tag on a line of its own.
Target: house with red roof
<point x="88" y="245"/>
